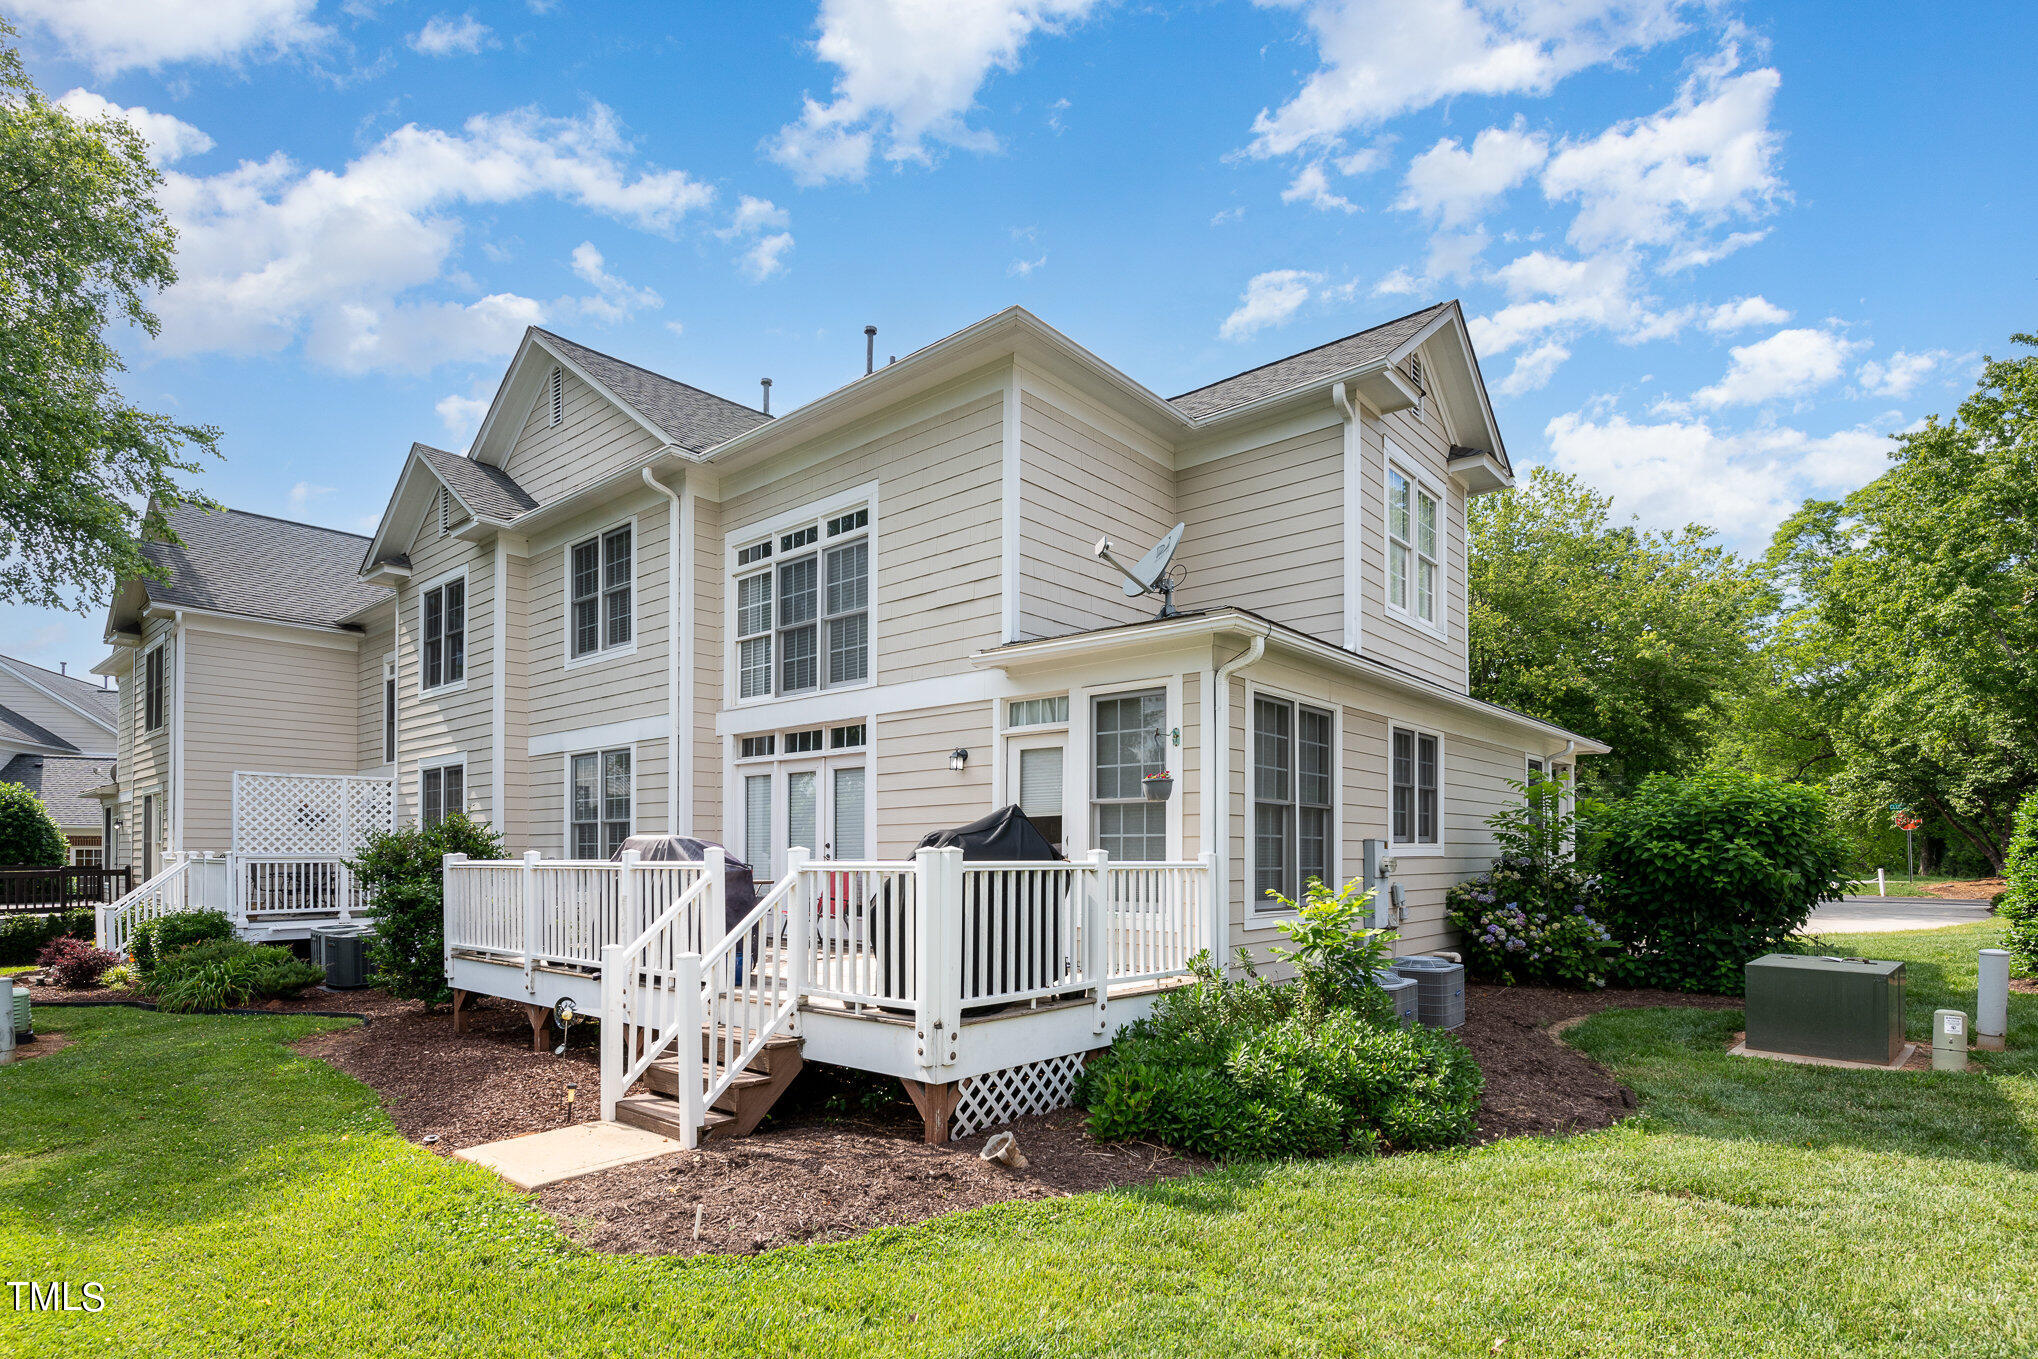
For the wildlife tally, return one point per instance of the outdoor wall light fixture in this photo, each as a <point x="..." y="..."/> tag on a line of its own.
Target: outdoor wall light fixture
<point x="957" y="758"/>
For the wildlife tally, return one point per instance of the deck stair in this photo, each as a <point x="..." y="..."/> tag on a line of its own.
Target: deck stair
<point x="737" y="1110"/>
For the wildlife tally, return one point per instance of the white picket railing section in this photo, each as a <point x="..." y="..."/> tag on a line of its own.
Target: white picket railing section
<point x="551" y="912"/>
<point x="1160" y="919"/>
<point x="862" y="942"/>
<point x="749" y="990"/>
<point x="187" y="883"/>
<point x="295" y="884"/>
<point x="651" y="992"/>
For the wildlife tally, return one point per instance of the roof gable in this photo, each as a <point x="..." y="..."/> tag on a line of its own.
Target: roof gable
<point x="93" y="702"/>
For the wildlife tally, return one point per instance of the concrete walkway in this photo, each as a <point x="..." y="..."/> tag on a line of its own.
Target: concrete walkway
<point x="1883" y="915"/>
<point x="537" y="1159"/>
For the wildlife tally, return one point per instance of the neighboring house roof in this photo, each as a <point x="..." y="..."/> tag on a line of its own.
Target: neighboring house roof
<point x="231" y="561"/>
<point x="1311" y="365"/>
<point x="21" y="729"/>
<point x="60" y="781"/>
<point x="100" y="702"/>
<point x="693" y="419"/>
<point x="487" y="492"/>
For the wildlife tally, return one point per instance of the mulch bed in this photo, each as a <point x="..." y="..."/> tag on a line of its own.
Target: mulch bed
<point x="815" y="1173"/>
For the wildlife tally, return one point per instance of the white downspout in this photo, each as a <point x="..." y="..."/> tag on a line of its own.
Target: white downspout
<point x="679" y="743"/>
<point x="498" y="780"/>
<point x="1217" y="778"/>
<point x="177" y="672"/>
<point x="1354" y="545"/>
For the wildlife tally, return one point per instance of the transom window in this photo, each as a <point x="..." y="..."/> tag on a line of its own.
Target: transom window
<point x="803" y="618"/>
<point x="598" y="803"/>
<point x="602" y="592"/>
<point x="1415" y="775"/>
<point x="442" y="792"/>
<point x="1412" y="558"/>
<point x="444" y="632"/>
<point x="1038" y="712"/>
<point x="1128" y="742"/>
<point x="1292" y="830"/>
<point x="152" y="690"/>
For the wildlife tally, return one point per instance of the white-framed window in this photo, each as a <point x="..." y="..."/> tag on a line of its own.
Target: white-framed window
<point x="1293" y="783"/>
<point x="1415" y="813"/>
<point x="601" y="593"/>
<point x="442" y="634"/>
<point x="1038" y="712"/>
<point x="600" y="801"/>
<point x="1128" y="741"/>
<point x="155" y="708"/>
<point x="558" y="396"/>
<point x="803" y="605"/>
<point x="1414" y="551"/>
<point x="389" y="710"/>
<point x="87" y="856"/>
<point x="442" y="790"/>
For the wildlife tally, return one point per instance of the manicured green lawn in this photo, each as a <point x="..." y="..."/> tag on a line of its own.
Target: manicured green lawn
<point x="238" y="1200"/>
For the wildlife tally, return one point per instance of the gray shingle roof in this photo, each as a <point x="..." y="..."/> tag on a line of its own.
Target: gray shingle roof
<point x="91" y="697"/>
<point x="1311" y="365"/>
<point x="236" y="562"/>
<point x="21" y="728"/>
<point x="59" y="780"/>
<point x="693" y="419"/>
<point x="486" y="490"/>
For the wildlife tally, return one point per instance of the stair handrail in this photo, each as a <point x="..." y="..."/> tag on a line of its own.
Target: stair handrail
<point x="760" y="1000"/>
<point x="114" y="922"/>
<point x="619" y="1020"/>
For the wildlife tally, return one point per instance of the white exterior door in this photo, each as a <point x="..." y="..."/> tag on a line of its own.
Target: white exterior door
<point x="820" y="805"/>
<point x="1036" y="776"/>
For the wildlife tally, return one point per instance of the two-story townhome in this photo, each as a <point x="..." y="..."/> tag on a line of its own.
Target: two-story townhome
<point x="57" y="740"/>
<point x="633" y="606"/>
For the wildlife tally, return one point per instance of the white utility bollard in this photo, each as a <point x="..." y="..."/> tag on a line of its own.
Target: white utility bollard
<point x="6" y="1020"/>
<point x="1992" y="1000"/>
<point x="1881" y="885"/>
<point x="1949" y="1040"/>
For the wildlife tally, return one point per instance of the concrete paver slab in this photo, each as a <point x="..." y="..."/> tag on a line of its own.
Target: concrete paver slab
<point x="567" y="1153"/>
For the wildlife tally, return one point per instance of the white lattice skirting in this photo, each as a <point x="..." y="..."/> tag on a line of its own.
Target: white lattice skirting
<point x="309" y="814"/>
<point x="1013" y="1092"/>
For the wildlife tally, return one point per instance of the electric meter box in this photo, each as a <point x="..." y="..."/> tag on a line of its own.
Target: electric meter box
<point x="1850" y="1009"/>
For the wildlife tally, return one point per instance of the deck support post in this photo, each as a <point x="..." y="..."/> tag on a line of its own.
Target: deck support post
<point x="694" y="1056"/>
<point x="937" y="1009"/>
<point x="615" y="981"/>
<point x="454" y="905"/>
<point x="460" y="999"/>
<point x="1096" y="907"/>
<point x="1216" y="918"/>
<point x="936" y="1101"/>
<point x="540" y="1016"/>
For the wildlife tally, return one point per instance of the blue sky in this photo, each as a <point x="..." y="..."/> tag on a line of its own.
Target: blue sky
<point x="1713" y="253"/>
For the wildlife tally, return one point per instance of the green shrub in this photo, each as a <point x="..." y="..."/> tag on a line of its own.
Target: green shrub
<point x="1335" y="956"/>
<point x="22" y="937"/>
<point x="154" y="940"/>
<point x="404" y="872"/>
<point x="2018" y="902"/>
<point x="74" y="962"/>
<point x="223" y="973"/>
<point x="1701" y="874"/>
<point x="1243" y="1068"/>
<point x="1523" y="922"/>
<point x="29" y="838"/>
<point x="121" y="977"/>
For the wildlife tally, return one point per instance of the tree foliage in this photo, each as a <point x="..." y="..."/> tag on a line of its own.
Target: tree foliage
<point x="83" y="244"/>
<point x="1907" y="639"/>
<point x="1637" y="638"/>
<point x="29" y="837"/>
<point x="404" y="873"/>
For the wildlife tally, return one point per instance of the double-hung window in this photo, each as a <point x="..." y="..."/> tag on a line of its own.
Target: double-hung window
<point x="442" y="791"/>
<point x="443" y="627"/>
<point x="601" y="576"/>
<point x="152" y="690"/>
<point x="803" y="607"/>
<point x="598" y="803"/>
<point x="1413" y="572"/>
<point x="1128" y="735"/>
<point x="1293" y="839"/>
<point x="1415" y="814"/>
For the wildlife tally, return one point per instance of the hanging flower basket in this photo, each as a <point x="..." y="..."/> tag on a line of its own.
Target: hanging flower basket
<point x="1159" y="787"/>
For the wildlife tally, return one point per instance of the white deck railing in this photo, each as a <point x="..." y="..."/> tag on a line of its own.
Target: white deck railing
<point x="568" y="910"/>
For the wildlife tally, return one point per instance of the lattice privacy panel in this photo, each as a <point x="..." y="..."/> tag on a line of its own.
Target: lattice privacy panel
<point x="311" y="814"/>
<point x="1013" y="1092"/>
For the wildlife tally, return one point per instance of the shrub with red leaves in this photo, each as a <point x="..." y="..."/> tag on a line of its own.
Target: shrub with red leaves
<point x="74" y="963"/>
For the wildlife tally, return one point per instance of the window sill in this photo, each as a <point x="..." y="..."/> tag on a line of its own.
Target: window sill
<point x="804" y="695"/>
<point x="1416" y="851"/>
<point x="438" y="689"/>
<point x="594" y="658"/>
<point x="1409" y="620"/>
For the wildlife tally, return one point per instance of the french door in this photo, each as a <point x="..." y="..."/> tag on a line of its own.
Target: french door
<point x="818" y="805"/>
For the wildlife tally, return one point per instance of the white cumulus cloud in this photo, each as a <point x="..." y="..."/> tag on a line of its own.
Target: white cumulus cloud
<point x="447" y="36"/>
<point x="461" y="415"/>
<point x="1549" y="294"/>
<point x="118" y="35"/>
<point x="1312" y="186"/>
<point x="1785" y="366"/>
<point x="908" y="73"/>
<point x="1900" y="373"/>
<point x="1452" y="185"/>
<point x="613" y="299"/>
<point x="170" y="138"/>
<point x="1743" y="312"/>
<point x="1533" y="370"/>
<point x="1268" y="300"/>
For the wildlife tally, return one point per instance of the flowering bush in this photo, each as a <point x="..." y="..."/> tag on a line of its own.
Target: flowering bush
<point x="73" y="962"/>
<point x="1529" y="922"/>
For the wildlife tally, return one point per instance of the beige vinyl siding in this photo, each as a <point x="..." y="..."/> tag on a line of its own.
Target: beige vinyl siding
<point x="264" y="705"/>
<point x="937" y="586"/>
<point x="436" y="726"/>
<point x="595" y="438"/>
<point x="1421" y="442"/>
<point x="599" y="689"/>
<point x="1077" y="485"/>
<point x="708" y="641"/>
<point x="916" y="790"/>
<point x="514" y="819"/>
<point x="32" y="703"/>
<point x="377" y="642"/>
<point x="145" y="762"/>
<point x="1266" y="532"/>
<point x="1187" y="764"/>
<point x="546" y="831"/>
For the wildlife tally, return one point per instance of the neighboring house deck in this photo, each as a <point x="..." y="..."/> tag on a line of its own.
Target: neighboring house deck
<point x="57" y="740"/>
<point x="634" y="606"/>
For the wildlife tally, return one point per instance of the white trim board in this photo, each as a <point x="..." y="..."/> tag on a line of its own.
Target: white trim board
<point x="611" y="734"/>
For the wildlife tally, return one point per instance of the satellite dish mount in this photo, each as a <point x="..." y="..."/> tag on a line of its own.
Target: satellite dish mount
<point x="1153" y="574"/>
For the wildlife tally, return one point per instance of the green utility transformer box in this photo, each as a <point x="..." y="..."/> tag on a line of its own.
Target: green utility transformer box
<point x="1846" y="1008"/>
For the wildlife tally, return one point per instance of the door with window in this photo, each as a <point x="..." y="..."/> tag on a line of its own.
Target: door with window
<point x="1128" y="735"/>
<point x="818" y="805"/>
<point x="148" y="836"/>
<point x="1036" y="772"/>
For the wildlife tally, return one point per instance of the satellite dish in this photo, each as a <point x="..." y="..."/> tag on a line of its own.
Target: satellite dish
<point x="1153" y="573"/>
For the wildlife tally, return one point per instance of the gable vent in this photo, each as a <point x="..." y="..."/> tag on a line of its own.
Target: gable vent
<point x="558" y="395"/>
<point x="445" y="512"/>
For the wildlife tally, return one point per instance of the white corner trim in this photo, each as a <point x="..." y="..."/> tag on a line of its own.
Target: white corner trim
<point x="498" y="665"/>
<point x="1354" y="520"/>
<point x="592" y="738"/>
<point x="1011" y="485"/>
<point x="179" y="643"/>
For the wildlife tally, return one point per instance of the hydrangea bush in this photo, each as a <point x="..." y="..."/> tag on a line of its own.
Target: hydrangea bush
<point x="1524" y="923"/>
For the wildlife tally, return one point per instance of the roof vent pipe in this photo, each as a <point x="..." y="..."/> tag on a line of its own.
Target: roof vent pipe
<point x="869" y="350"/>
<point x="766" y="382"/>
